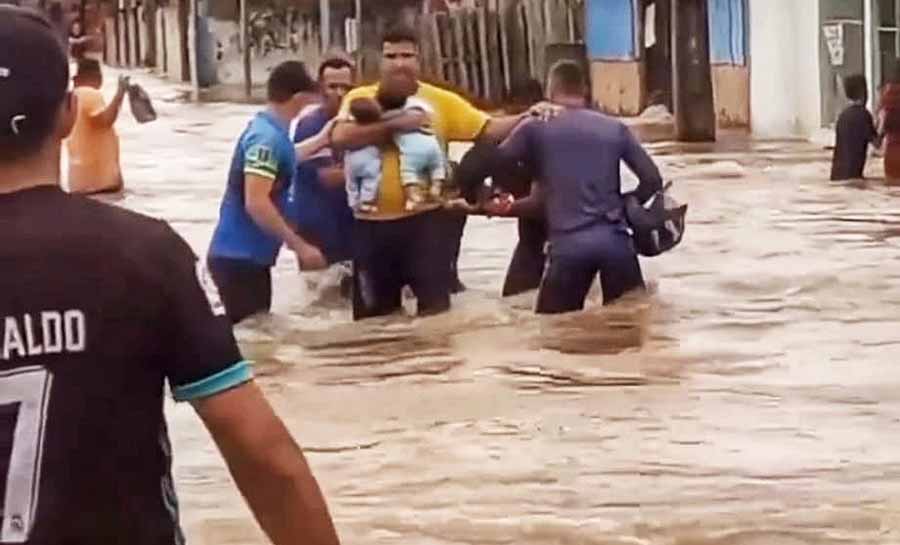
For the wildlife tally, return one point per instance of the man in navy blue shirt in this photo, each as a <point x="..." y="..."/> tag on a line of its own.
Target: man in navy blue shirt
<point x="576" y="158"/>
<point x="320" y="198"/>
<point x="252" y="219"/>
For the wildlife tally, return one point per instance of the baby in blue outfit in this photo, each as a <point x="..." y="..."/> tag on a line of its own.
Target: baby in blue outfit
<point x="423" y="169"/>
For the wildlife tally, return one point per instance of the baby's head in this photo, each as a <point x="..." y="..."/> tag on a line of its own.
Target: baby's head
<point x="394" y="89"/>
<point x="365" y="110"/>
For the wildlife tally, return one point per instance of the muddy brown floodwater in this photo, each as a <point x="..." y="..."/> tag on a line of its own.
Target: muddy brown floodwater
<point x="753" y="399"/>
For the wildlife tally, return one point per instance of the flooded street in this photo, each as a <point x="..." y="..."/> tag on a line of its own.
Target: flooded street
<point x="751" y="400"/>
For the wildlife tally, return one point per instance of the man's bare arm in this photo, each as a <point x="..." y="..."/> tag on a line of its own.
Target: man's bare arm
<point x="108" y="116"/>
<point x="268" y="467"/>
<point x="531" y="206"/>
<point x="258" y="199"/>
<point x="498" y="128"/>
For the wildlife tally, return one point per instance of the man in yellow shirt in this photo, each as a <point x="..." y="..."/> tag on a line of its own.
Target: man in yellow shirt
<point x="394" y="247"/>
<point x="94" y="144"/>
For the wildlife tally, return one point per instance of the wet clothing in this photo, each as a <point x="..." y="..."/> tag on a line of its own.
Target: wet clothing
<point x="321" y="212"/>
<point x="527" y="265"/>
<point x="264" y="149"/>
<point x="362" y="169"/>
<point x="855" y="131"/>
<point x="395" y="247"/>
<point x="93" y="148"/>
<point x="483" y="161"/>
<point x="452" y="119"/>
<point x="577" y="157"/>
<point x="575" y="261"/>
<point x="890" y="104"/>
<point x="391" y="254"/>
<point x="101" y="307"/>
<point x="245" y="287"/>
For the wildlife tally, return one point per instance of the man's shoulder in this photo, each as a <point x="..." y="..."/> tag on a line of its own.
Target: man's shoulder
<point x="363" y="91"/>
<point x="436" y="96"/>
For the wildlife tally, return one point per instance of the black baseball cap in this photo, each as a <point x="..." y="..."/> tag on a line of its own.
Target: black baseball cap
<point x="34" y="79"/>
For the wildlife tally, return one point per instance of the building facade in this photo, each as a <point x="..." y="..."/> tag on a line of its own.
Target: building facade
<point x="629" y="43"/>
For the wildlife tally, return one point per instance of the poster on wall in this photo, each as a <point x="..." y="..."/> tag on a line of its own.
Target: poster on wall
<point x="834" y="40"/>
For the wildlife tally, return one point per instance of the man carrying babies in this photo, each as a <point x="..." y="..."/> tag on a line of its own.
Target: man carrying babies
<point x="423" y="167"/>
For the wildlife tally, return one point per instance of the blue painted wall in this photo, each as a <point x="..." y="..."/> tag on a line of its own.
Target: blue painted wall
<point x="728" y="32"/>
<point x="610" y="30"/>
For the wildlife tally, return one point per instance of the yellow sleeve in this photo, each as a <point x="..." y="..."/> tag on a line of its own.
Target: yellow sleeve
<point x="464" y="121"/>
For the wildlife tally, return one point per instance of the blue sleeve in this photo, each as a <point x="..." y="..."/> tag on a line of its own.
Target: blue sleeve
<point x="641" y="164"/>
<point x="262" y="154"/>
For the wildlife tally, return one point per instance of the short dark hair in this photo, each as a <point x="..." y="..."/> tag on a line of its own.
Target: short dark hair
<point x="569" y="77"/>
<point x="856" y="87"/>
<point x="334" y="63"/>
<point x="287" y="79"/>
<point x="526" y="92"/>
<point x="89" y="68"/>
<point x="365" y="110"/>
<point x="399" y="33"/>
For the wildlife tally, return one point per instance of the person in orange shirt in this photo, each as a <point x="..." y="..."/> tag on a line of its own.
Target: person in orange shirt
<point x="94" y="144"/>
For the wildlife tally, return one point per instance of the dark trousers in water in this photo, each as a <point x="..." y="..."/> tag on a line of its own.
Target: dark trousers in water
<point x="456" y="226"/>
<point x="391" y="254"/>
<point x="527" y="266"/>
<point x="576" y="259"/>
<point x="245" y="287"/>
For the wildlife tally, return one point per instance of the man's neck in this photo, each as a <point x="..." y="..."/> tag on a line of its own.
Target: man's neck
<point x="40" y="170"/>
<point x="283" y="113"/>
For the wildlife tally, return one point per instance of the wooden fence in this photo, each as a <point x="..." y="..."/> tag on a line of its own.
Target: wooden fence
<point x="486" y="51"/>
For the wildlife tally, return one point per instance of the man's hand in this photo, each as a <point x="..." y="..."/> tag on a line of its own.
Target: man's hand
<point x="124" y="84"/>
<point x="309" y="258"/>
<point x="545" y="111"/>
<point x="499" y="205"/>
<point x="461" y="205"/>
<point x="409" y="121"/>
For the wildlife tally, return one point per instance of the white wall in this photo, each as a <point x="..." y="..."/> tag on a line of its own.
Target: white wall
<point x="785" y="98"/>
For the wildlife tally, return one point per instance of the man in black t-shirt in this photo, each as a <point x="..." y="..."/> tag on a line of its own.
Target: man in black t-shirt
<point x="854" y="132"/>
<point x="99" y="307"/>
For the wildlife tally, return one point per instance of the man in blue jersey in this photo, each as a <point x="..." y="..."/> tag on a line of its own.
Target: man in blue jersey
<point x="252" y="219"/>
<point x="576" y="158"/>
<point x="320" y="200"/>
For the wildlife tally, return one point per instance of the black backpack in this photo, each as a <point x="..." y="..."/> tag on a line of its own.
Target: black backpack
<point x="657" y="225"/>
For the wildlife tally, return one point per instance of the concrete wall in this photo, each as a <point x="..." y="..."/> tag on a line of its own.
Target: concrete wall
<point x="617" y="87"/>
<point x="276" y="35"/>
<point x="731" y="91"/>
<point x="172" y="38"/>
<point x="785" y="97"/>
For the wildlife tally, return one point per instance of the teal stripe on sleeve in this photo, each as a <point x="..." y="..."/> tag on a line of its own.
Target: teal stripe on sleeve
<point x="235" y="375"/>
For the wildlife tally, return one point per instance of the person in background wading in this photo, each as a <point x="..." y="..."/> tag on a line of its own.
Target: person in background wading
<point x="576" y="158"/>
<point x="509" y="178"/>
<point x="318" y="202"/>
<point x="889" y="126"/>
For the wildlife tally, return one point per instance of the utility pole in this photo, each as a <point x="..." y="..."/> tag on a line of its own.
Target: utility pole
<point x="695" y="115"/>
<point x="325" y="23"/>
<point x="245" y="50"/>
